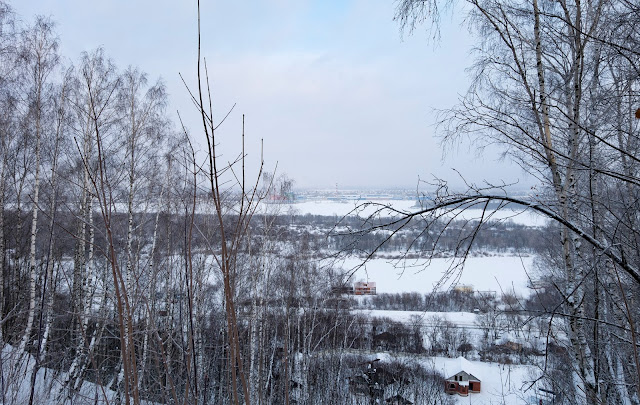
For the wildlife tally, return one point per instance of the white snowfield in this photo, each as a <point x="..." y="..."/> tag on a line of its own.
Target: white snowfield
<point x="340" y="208"/>
<point x="501" y="274"/>
<point x="460" y="319"/>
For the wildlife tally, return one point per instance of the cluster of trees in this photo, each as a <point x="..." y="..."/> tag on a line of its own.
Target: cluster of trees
<point x="437" y="301"/>
<point x="322" y="235"/>
<point x="76" y="141"/>
<point x="556" y="84"/>
<point x="128" y="261"/>
<point x="376" y="381"/>
<point x="500" y="333"/>
<point x="442" y="236"/>
<point x="132" y="269"/>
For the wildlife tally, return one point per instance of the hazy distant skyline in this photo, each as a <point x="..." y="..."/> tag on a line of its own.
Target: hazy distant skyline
<point x="336" y="92"/>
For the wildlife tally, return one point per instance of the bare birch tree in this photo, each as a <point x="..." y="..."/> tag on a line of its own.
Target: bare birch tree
<point x="555" y="84"/>
<point x="40" y="51"/>
<point x="8" y="56"/>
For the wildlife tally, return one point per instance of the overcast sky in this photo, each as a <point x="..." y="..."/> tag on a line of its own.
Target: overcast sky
<point x="336" y="91"/>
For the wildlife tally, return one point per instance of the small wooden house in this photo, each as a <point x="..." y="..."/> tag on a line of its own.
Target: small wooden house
<point x="465" y="380"/>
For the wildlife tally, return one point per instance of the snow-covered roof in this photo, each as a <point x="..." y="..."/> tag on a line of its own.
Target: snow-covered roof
<point x="465" y="365"/>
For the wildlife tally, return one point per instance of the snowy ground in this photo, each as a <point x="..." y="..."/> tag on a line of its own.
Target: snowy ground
<point x="16" y="384"/>
<point x="462" y="319"/>
<point x="493" y="273"/>
<point x="345" y="207"/>
<point x="501" y="383"/>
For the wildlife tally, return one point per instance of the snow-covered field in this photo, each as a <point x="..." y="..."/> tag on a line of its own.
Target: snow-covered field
<point x="461" y="319"/>
<point x="347" y="207"/>
<point x="494" y="273"/>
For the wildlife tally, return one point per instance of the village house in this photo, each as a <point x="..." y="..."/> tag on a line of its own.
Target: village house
<point x="465" y="380"/>
<point x="363" y="288"/>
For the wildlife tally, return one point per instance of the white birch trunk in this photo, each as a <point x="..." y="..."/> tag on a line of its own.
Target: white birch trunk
<point x="254" y="322"/>
<point x="95" y="337"/>
<point x="49" y="278"/>
<point x="3" y="252"/>
<point x="34" y="230"/>
<point x="152" y="292"/>
<point x="88" y="288"/>
<point x="81" y="238"/>
<point x="129" y="254"/>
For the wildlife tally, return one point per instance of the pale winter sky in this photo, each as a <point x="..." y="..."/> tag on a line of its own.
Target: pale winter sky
<point x="338" y="94"/>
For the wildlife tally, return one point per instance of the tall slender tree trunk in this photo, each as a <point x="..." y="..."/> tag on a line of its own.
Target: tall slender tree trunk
<point x="48" y="284"/>
<point x="3" y="247"/>
<point x="34" y="231"/>
<point x="149" y="311"/>
<point x="80" y="256"/>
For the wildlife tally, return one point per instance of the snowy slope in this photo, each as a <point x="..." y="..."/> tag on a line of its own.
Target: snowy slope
<point x="501" y="383"/>
<point x="462" y="319"/>
<point x="16" y="385"/>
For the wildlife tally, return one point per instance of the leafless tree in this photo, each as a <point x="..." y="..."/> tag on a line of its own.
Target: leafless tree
<point x="224" y="179"/>
<point x="555" y="83"/>
<point x="40" y="52"/>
